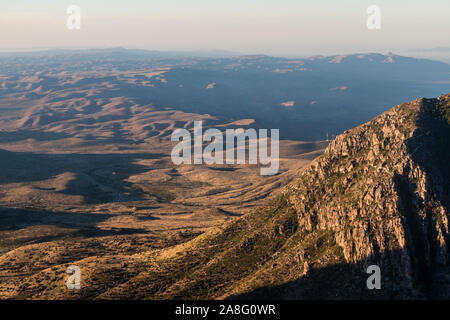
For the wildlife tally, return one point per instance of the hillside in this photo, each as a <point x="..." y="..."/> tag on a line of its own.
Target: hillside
<point x="378" y="195"/>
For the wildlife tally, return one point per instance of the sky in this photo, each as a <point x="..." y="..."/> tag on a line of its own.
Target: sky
<point x="276" y="27"/>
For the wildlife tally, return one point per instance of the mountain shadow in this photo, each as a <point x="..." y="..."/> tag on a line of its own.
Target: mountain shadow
<point x="13" y="219"/>
<point x="98" y="178"/>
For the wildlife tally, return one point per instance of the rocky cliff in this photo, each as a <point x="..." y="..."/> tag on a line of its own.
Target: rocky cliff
<point x="383" y="190"/>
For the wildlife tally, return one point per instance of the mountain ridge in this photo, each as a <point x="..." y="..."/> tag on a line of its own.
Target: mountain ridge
<point x="401" y="229"/>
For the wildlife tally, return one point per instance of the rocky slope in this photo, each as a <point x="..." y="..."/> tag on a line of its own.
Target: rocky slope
<point x="378" y="195"/>
<point x="382" y="189"/>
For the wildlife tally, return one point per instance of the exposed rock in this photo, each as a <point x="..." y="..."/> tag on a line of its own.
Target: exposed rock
<point x="383" y="188"/>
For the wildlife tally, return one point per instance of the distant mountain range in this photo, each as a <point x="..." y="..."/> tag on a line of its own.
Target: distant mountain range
<point x="438" y="53"/>
<point x="308" y="99"/>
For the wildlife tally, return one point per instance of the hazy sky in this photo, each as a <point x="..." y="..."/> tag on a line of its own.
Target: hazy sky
<point x="282" y="27"/>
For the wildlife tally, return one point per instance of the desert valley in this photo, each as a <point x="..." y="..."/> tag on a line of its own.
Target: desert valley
<point x="87" y="178"/>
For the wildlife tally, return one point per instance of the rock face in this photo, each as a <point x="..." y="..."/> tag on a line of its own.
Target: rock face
<point x="383" y="189"/>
